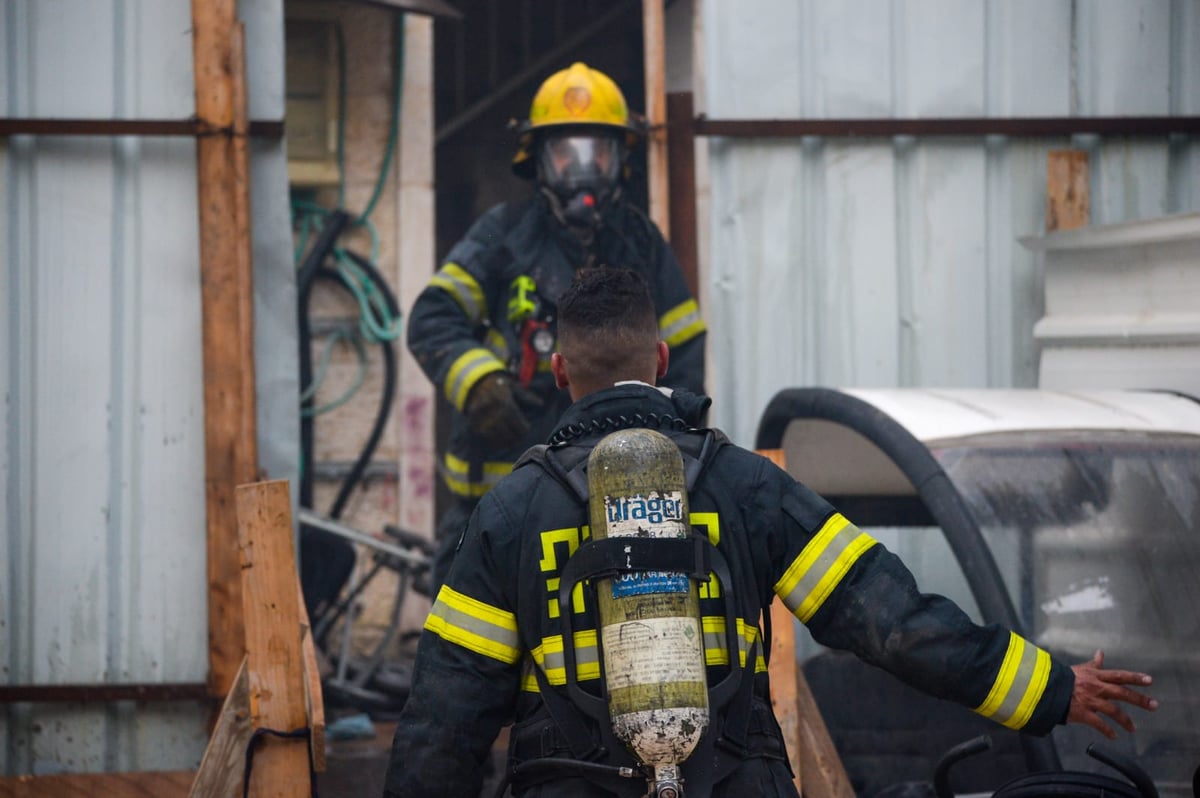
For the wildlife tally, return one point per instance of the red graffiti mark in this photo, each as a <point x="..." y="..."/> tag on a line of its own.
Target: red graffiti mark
<point x="416" y="415"/>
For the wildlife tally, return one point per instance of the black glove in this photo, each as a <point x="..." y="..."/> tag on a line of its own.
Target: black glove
<point x="493" y="413"/>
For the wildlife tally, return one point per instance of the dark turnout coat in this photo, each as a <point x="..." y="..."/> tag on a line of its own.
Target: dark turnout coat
<point x="495" y="623"/>
<point x="469" y="320"/>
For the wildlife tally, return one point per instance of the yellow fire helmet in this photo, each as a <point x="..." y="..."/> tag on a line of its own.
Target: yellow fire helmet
<point x="577" y="95"/>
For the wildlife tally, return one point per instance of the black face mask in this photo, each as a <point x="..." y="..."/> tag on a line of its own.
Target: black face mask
<point x="582" y="172"/>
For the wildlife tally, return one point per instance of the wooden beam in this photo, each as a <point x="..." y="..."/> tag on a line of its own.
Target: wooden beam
<point x="818" y="769"/>
<point x="782" y="668"/>
<point x="147" y="784"/>
<point x="224" y="762"/>
<point x="681" y="181"/>
<point x="654" y="52"/>
<point x="226" y="287"/>
<point x="1067" y="197"/>
<point x="273" y="649"/>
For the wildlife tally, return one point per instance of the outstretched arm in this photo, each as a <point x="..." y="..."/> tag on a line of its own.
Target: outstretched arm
<point x="1097" y="692"/>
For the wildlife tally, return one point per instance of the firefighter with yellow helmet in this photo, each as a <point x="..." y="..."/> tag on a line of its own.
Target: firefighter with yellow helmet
<point x="483" y="330"/>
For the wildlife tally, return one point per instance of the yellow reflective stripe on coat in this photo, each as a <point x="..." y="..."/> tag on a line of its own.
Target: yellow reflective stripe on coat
<point x="681" y="323"/>
<point x="1019" y="685"/>
<point x="474" y="625"/>
<point x="820" y="567"/>
<point x="715" y="650"/>
<point x="458" y="283"/>
<point x="458" y="476"/>
<point x="465" y="371"/>
<point x="550" y="658"/>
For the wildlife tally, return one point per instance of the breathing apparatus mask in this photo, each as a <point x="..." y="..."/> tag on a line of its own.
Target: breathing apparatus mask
<point x="581" y="173"/>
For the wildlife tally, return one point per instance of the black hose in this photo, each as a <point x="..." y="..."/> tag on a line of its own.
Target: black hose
<point x="941" y="772"/>
<point x="1130" y="769"/>
<point x="385" y="401"/>
<point x="305" y="277"/>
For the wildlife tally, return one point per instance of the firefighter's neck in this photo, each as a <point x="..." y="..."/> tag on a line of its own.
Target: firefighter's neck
<point x="580" y="385"/>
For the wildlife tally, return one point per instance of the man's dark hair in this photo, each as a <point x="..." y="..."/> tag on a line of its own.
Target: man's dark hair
<point x="607" y="324"/>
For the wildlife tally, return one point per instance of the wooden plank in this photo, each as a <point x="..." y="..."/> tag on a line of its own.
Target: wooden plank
<point x="815" y="761"/>
<point x="782" y="673"/>
<point x="221" y="769"/>
<point x="314" y="700"/>
<point x="654" y="52"/>
<point x="147" y="784"/>
<point x="824" y="774"/>
<point x="782" y="668"/>
<point x="273" y="650"/>
<point x="1068" y="203"/>
<point x="226" y="286"/>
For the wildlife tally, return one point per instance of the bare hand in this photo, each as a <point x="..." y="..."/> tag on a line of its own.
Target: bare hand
<point x="1097" y="690"/>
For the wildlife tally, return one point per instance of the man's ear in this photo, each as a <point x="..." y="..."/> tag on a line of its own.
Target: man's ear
<point x="664" y="357"/>
<point x="558" y="365"/>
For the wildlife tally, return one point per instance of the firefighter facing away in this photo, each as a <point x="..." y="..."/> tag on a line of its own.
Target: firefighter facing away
<point x="513" y="634"/>
<point x="484" y="328"/>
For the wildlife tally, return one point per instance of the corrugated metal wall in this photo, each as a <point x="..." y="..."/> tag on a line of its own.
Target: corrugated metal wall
<point x="102" y="562"/>
<point x="878" y="263"/>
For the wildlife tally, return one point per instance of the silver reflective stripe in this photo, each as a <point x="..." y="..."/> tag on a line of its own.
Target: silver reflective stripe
<point x="458" y="282"/>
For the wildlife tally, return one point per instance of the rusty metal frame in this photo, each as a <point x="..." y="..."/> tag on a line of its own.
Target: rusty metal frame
<point x="267" y="129"/>
<point x="86" y="693"/>
<point x="1025" y="127"/>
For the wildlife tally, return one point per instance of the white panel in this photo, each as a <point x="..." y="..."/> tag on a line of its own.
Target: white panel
<point x="760" y="80"/>
<point x="850" y="58"/>
<point x="759" y="285"/>
<point x="8" y="613"/>
<point x="947" y="319"/>
<point x="71" y="344"/>
<point x="1028" y="68"/>
<point x="72" y="45"/>
<point x="859" y="309"/>
<point x="1129" y="180"/>
<point x="939" y="58"/>
<point x="263" y="23"/>
<point x="103" y="497"/>
<point x="1123" y="57"/>
<point x="1185" y="57"/>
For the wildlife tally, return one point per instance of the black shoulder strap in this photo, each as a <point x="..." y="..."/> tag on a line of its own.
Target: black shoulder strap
<point x="568" y="464"/>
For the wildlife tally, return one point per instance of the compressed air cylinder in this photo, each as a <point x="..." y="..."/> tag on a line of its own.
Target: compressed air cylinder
<point x="650" y="632"/>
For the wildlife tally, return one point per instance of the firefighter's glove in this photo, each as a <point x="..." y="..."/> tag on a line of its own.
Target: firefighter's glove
<point x="493" y="413"/>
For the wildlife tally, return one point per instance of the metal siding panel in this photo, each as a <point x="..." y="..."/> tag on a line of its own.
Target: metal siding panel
<point x="1129" y="180"/>
<point x="771" y="67"/>
<point x="72" y="45"/>
<point x="947" y="316"/>
<point x="1028" y="68"/>
<point x="850" y="64"/>
<point x="104" y="499"/>
<point x="1124" y="55"/>
<point x="7" y="337"/>
<point x="858" y="308"/>
<point x="939" y="58"/>
<point x="1185" y="57"/>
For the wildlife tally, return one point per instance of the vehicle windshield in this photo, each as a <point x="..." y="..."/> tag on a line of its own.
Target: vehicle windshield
<point x="1097" y="536"/>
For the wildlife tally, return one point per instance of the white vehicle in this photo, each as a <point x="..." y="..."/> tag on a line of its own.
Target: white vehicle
<point x="1072" y="517"/>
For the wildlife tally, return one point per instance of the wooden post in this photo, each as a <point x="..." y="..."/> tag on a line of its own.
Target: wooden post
<point x="653" y="32"/>
<point x="1067" y="200"/>
<point x="226" y="286"/>
<point x="681" y="179"/>
<point x="274" y="654"/>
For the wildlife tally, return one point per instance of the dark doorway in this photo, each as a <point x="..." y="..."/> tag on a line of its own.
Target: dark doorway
<point x="487" y="68"/>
